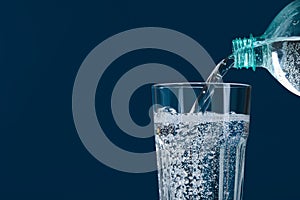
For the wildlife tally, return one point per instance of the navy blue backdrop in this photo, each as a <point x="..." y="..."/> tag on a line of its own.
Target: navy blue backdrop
<point x="42" y="45"/>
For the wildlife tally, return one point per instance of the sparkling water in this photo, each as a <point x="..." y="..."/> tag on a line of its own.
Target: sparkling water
<point x="285" y="53"/>
<point x="200" y="156"/>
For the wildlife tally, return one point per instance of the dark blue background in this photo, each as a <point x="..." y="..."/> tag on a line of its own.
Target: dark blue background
<point x="42" y="45"/>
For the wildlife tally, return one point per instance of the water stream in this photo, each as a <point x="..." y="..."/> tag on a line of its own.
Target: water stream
<point x="203" y="100"/>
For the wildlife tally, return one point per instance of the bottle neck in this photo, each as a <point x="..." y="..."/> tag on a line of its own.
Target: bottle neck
<point x="248" y="53"/>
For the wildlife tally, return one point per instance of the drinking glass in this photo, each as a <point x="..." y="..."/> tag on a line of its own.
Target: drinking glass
<point x="201" y="155"/>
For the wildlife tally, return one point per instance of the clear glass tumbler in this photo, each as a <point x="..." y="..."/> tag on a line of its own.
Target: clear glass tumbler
<point x="201" y="155"/>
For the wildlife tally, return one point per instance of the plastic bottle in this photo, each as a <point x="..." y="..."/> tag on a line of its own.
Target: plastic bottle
<point x="277" y="50"/>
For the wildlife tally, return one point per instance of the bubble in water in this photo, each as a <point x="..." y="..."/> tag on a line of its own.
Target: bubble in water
<point x="295" y="22"/>
<point x="167" y="109"/>
<point x="291" y="63"/>
<point x="191" y="151"/>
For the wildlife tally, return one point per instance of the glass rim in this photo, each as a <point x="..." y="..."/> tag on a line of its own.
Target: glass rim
<point x="199" y="85"/>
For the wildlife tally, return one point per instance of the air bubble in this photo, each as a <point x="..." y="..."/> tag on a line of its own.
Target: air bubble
<point x="191" y="159"/>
